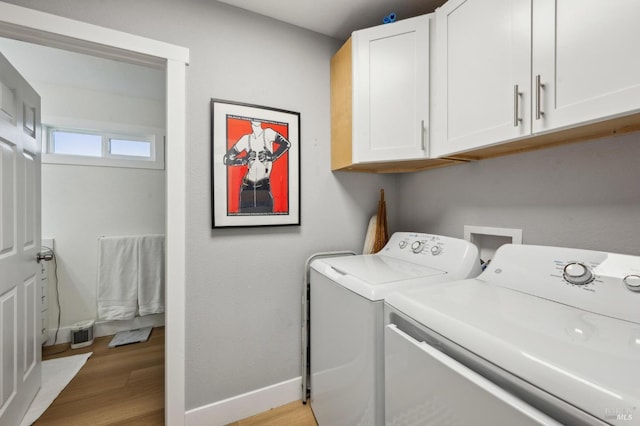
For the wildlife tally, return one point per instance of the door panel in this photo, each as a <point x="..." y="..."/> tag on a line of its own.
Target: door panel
<point x="391" y="91"/>
<point x="29" y="321"/>
<point x="8" y="193"/>
<point x="29" y="191"/>
<point x="9" y="349"/>
<point x="7" y="104"/>
<point x="483" y="70"/>
<point x="586" y="74"/>
<point x="20" y="351"/>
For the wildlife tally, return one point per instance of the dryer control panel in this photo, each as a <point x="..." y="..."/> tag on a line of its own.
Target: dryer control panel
<point x="598" y="282"/>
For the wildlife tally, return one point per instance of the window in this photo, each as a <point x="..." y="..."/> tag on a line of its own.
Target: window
<point x="130" y="147"/>
<point x="72" y="143"/>
<point x="72" y="146"/>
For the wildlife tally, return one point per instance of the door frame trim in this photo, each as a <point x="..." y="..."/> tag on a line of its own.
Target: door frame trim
<point x="54" y="31"/>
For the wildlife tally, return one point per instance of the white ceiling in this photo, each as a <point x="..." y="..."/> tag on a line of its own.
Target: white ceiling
<point x="336" y="18"/>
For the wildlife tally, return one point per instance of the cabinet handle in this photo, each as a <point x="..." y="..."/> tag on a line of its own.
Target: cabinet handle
<point x="516" y="106"/>
<point x="539" y="87"/>
<point x="422" y="135"/>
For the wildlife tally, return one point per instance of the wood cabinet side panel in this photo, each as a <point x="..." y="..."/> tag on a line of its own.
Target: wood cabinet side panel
<point x="341" y="107"/>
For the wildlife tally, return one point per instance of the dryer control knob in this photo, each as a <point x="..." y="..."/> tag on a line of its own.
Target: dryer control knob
<point x="402" y="244"/>
<point x="436" y="250"/>
<point x="417" y="246"/>
<point x="577" y="273"/>
<point x="632" y="282"/>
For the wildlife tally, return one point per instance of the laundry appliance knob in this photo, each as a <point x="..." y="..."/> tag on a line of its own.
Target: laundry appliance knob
<point x="577" y="273"/>
<point x="417" y="246"/>
<point x="632" y="282"/>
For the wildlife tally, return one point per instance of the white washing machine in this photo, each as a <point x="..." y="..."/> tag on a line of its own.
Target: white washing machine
<point x="347" y="319"/>
<point x="544" y="335"/>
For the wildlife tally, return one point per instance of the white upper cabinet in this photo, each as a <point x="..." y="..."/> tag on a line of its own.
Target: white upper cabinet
<point x="391" y="91"/>
<point x="510" y="69"/>
<point x="585" y="55"/>
<point x="483" y="73"/>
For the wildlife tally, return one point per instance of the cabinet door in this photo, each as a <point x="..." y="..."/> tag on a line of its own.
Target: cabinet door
<point x="483" y="73"/>
<point x="585" y="54"/>
<point x="391" y="91"/>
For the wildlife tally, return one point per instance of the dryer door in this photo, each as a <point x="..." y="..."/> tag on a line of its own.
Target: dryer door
<point x="423" y="386"/>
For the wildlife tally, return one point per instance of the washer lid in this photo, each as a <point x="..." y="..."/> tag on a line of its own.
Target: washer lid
<point x="380" y="269"/>
<point x="375" y="276"/>
<point x="588" y="360"/>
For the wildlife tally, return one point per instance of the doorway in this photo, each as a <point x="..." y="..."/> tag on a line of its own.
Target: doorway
<point x="98" y="116"/>
<point x="50" y="30"/>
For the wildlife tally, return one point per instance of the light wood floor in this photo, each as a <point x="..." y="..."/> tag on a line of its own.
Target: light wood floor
<point x="117" y="386"/>
<point x="295" y="413"/>
<point x="125" y="386"/>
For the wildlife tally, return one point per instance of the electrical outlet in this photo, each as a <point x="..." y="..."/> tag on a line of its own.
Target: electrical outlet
<point x="48" y="242"/>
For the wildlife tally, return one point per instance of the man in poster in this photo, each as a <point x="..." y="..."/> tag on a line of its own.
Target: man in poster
<point x="259" y="156"/>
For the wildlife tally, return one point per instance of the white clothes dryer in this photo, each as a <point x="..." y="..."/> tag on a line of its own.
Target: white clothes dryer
<point x="544" y="335"/>
<point x="347" y="318"/>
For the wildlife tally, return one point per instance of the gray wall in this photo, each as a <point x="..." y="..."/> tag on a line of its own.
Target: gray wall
<point x="584" y="195"/>
<point x="244" y="285"/>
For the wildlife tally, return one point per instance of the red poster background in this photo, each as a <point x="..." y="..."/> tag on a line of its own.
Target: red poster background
<point x="236" y="128"/>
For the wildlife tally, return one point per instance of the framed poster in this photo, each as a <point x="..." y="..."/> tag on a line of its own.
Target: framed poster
<point x="255" y="165"/>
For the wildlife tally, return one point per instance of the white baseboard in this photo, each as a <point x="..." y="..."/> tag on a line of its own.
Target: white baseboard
<point x="245" y="405"/>
<point x="107" y="328"/>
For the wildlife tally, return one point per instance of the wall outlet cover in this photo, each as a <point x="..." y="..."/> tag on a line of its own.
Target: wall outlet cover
<point x="48" y="242"/>
<point x="489" y="239"/>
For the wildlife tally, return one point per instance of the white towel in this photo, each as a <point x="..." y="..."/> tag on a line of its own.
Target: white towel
<point x="117" y="278"/>
<point x="151" y="274"/>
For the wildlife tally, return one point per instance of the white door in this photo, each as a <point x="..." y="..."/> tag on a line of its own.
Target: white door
<point x="585" y="56"/>
<point x="391" y="91"/>
<point x="483" y="74"/>
<point x="20" y="350"/>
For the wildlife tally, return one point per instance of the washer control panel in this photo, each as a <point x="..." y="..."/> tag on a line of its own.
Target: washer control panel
<point x="436" y="251"/>
<point x="423" y="244"/>
<point x="599" y="282"/>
